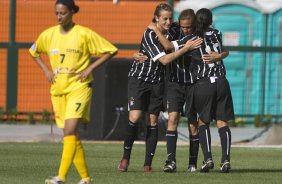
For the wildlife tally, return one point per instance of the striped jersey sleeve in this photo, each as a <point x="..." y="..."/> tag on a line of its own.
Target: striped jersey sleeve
<point x="151" y="70"/>
<point x="179" y="69"/>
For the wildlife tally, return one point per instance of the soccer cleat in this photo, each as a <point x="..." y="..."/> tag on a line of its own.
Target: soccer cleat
<point x="207" y="165"/>
<point x="170" y="166"/>
<point x="54" y="180"/>
<point x="191" y="169"/>
<point x="82" y="181"/>
<point x="225" y="167"/>
<point x="147" y="168"/>
<point x="123" y="165"/>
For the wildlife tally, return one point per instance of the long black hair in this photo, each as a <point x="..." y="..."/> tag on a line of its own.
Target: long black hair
<point x="203" y="21"/>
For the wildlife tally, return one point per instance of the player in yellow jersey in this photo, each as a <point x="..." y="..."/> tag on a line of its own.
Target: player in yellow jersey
<point x="69" y="47"/>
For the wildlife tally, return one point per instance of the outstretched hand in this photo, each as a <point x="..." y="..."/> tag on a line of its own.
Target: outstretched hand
<point x="193" y="43"/>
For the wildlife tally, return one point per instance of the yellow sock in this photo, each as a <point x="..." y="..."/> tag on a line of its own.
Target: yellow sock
<point x="67" y="155"/>
<point x="79" y="161"/>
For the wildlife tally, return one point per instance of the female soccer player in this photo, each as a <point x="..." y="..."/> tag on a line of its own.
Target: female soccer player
<point x="146" y="86"/>
<point x="69" y="47"/>
<point x="211" y="92"/>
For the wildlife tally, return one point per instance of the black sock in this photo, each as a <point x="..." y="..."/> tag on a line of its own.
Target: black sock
<point x="205" y="141"/>
<point x="171" y="140"/>
<point x="151" y="144"/>
<point x="225" y="139"/>
<point x="130" y="136"/>
<point x="194" y="149"/>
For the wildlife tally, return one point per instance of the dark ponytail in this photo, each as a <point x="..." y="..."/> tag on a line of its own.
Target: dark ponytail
<point x="69" y="4"/>
<point x="203" y="21"/>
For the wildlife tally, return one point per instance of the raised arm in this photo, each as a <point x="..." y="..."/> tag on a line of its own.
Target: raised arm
<point x="189" y="45"/>
<point x="164" y="41"/>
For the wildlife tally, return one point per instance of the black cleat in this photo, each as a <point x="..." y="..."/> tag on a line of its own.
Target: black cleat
<point x="170" y="166"/>
<point x="207" y="165"/>
<point x="191" y="169"/>
<point x="225" y="167"/>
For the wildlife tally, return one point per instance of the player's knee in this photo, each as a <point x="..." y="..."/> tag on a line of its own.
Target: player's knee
<point x="172" y="124"/>
<point x="134" y="118"/>
<point x="220" y="123"/>
<point x="69" y="132"/>
<point x="193" y="129"/>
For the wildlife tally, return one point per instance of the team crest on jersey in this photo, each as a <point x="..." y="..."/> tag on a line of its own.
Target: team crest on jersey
<point x="131" y="101"/>
<point x="33" y="47"/>
<point x="54" y="51"/>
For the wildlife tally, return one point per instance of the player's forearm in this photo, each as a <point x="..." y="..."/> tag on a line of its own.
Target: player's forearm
<point x="164" y="41"/>
<point x="47" y="71"/>
<point x="173" y="56"/>
<point x="41" y="64"/>
<point x="101" y="61"/>
<point x="224" y="54"/>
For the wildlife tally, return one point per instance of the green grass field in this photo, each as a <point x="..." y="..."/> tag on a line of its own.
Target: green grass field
<point x="31" y="163"/>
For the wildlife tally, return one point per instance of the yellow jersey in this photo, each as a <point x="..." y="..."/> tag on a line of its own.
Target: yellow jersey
<point x="70" y="53"/>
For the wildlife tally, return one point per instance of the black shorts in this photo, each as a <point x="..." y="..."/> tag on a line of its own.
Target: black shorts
<point x="145" y="96"/>
<point x="213" y="101"/>
<point x="190" y="110"/>
<point x="176" y="96"/>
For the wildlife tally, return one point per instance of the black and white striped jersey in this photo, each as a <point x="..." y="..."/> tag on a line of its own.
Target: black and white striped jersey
<point x="178" y="70"/>
<point x="212" y="42"/>
<point x="151" y="70"/>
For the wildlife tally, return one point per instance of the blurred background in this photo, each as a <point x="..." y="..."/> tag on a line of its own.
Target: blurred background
<point x="252" y="32"/>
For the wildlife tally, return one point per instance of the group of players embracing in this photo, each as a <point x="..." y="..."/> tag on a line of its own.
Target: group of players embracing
<point x="184" y="61"/>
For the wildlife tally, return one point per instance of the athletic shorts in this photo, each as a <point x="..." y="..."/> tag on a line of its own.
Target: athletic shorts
<point x="176" y="96"/>
<point x="145" y="96"/>
<point x="190" y="110"/>
<point x="75" y="104"/>
<point x="213" y="101"/>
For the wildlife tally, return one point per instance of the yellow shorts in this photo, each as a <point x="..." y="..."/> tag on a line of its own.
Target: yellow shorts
<point x="75" y="104"/>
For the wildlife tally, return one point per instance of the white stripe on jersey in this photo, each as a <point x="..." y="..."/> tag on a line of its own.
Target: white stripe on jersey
<point x="158" y="56"/>
<point x="141" y="69"/>
<point x="191" y="78"/>
<point x="183" y="68"/>
<point x="134" y="67"/>
<point x="150" y="35"/>
<point x="150" y="68"/>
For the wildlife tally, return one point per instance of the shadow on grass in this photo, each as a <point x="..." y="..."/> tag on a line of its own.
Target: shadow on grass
<point x="255" y="170"/>
<point x="213" y="171"/>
